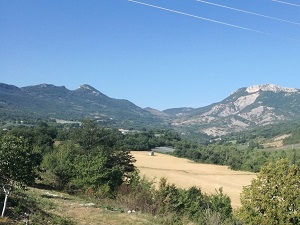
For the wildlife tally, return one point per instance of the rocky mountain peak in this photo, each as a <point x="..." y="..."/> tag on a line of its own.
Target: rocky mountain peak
<point x="247" y="107"/>
<point x="270" y="87"/>
<point x="86" y="87"/>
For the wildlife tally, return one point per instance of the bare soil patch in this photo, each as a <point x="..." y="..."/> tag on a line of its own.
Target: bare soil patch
<point x="185" y="174"/>
<point x="277" y="142"/>
<point x="82" y="212"/>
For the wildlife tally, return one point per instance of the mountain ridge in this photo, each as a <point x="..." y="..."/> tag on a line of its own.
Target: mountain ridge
<point x="50" y="101"/>
<point x="245" y="108"/>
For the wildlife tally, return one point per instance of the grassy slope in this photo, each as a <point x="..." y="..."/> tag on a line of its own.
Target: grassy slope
<point x="80" y="212"/>
<point x="50" y="207"/>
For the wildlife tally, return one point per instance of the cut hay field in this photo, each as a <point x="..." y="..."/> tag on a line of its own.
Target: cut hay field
<point x="185" y="173"/>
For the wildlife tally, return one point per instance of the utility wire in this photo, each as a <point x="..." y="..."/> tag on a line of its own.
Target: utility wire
<point x="213" y="21"/>
<point x="252" y="13"/>
<point x="287" y="3"/>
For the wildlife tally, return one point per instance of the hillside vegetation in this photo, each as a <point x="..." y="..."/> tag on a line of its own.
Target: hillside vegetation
<point x="48" y="101"/>
<point x="95" y="163"/>
<point x="244" y="109"/>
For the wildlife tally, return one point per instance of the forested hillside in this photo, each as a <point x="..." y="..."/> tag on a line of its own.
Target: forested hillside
<point x="245" y="109"/>
<point x="48" y="101"/>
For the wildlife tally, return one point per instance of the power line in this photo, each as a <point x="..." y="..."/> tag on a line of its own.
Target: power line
<point x="248" y="12"/>
<point x="213" y="21"/>
<point x="287" y="3"/>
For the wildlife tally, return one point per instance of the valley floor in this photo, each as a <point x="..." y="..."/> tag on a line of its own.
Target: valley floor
<point x="185" y="173"/>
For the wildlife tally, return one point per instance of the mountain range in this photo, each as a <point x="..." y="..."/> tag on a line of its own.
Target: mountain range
<point x="49" y="101"/>
<point x="245" y="108"/>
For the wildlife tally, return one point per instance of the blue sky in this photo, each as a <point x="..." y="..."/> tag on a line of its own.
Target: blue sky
<point x="150" y="56"/>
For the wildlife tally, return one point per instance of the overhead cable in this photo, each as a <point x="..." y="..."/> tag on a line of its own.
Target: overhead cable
<point x="248" y="12"/>
<point x="287" y="3"/>
<point x="213" y="21"/>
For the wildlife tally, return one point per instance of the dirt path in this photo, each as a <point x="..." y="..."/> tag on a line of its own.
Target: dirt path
<point x="184" y="174"/>
<point x="84" y="213"/>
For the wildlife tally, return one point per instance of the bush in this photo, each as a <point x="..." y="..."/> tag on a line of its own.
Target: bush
<point x="174" y="205"/>
<point x="137" y="195"/>
<point x="274" y="197"/>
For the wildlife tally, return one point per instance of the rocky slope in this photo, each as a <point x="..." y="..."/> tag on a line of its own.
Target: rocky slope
<point x="245" y="108"/>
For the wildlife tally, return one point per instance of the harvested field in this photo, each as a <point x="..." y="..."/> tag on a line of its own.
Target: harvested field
<point x="185" y="173"/>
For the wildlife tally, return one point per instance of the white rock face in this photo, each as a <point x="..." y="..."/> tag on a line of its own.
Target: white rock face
<point x="89" y="88"/>
<point x="215" y="131"/>
<point x="254" y="113"/>
<point x="238" y="123"/>
<point x="270" y="87"/>
<point x="240" y="111"/>
<point x="224" y="110"/>
<point x="227" y="111"/>
<point x="244" y="101"/>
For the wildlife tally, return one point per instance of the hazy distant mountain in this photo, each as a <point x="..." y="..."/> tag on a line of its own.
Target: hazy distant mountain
<point x="245" y="108"/>
<point x="157" y="113"/>
<point x="49" y="101"/>
<point x="178" y="112"/>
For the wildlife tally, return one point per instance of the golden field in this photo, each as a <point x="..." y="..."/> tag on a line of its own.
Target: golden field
<point x="185" y="173"/>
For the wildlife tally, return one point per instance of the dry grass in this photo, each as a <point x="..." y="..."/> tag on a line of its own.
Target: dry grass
<point x="277" y="142"/>
<point x="184" y="173"/>
<point x="81" y="213"/>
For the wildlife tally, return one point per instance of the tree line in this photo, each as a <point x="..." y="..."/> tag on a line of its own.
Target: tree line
<point x="96" y="162"/>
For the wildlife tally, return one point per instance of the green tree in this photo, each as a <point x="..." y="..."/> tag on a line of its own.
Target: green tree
<point x="102" y="172"/>
<point x="41" y="137"/>
<point x="61" y="162"/>
<point x="18" y="163"/>
<point x="88" y="135"/>
<point x="274" y="197"/>
<point x="90" y="162"/>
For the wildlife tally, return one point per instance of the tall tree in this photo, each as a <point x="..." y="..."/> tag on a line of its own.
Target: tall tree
<point x="88" y="135"/>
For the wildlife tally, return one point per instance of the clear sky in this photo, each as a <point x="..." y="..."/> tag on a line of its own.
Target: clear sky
<point x="151" y="56"/>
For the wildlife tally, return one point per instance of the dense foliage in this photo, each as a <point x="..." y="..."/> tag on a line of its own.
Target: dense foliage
<point x="90" y="161"/>
<point x="268" y="132"/>
<point x="95" y="161"/>
<point x="274" y="197"/>
<point x="248" y="157"/>
<point x="19" y="164"/>
<point x="294" y="137"/>
<point x="189" y="205"/>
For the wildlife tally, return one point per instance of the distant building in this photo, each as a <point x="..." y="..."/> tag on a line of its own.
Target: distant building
<point x="151" y="153"/>
<point x="123" y="131"/>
